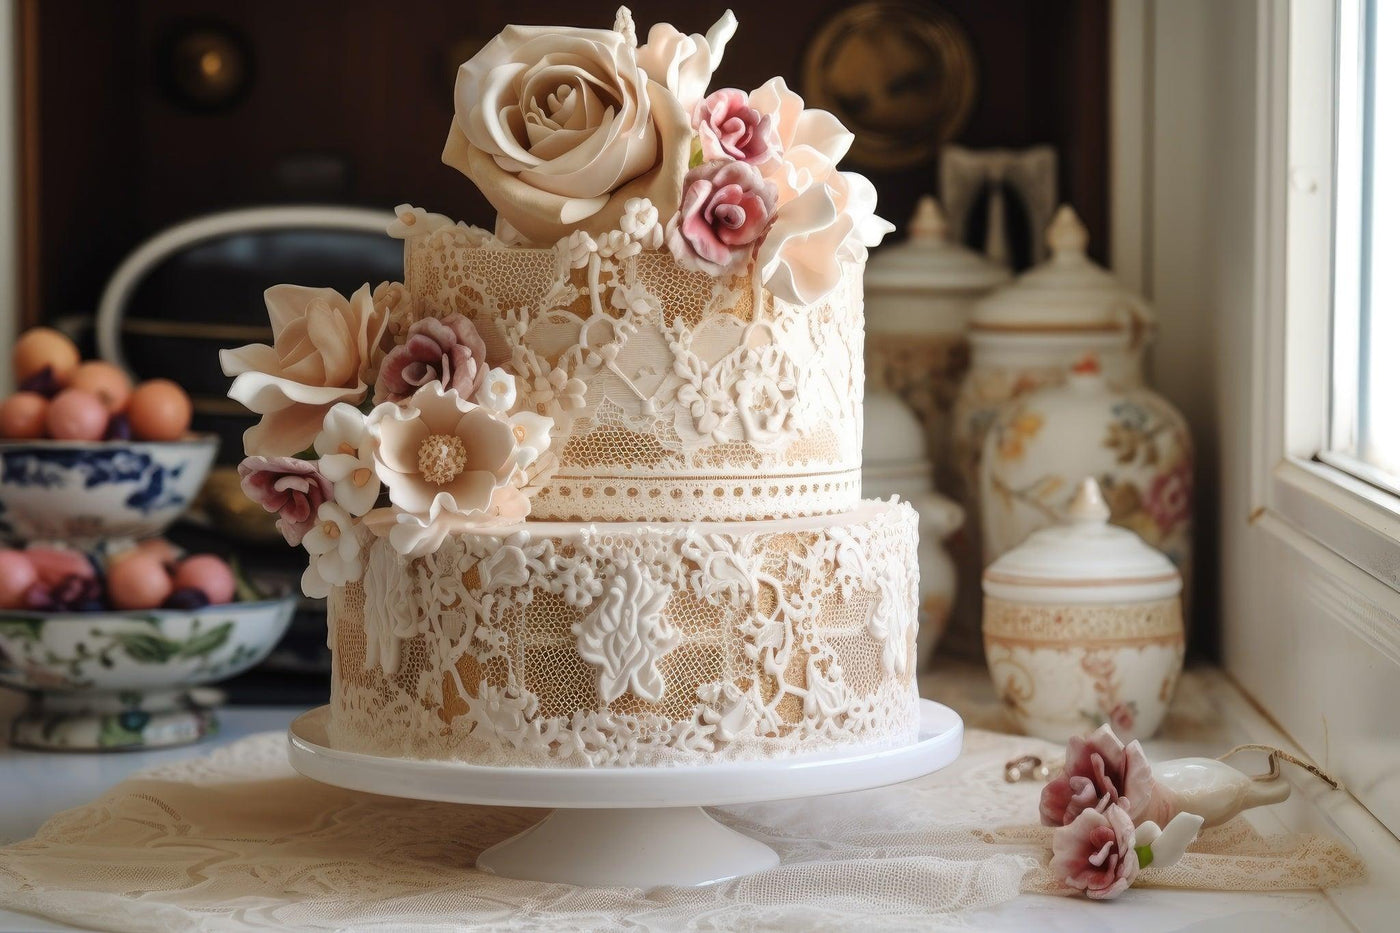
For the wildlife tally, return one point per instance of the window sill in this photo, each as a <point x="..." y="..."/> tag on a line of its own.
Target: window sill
<point x="1350" y="517"/>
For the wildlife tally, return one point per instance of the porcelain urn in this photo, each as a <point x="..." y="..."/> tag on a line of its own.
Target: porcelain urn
<point x="1082" y="625"/>
<point x="1129" y="439"/>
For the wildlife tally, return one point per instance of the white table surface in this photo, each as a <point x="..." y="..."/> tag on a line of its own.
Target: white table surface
<point x="35" y="786"/>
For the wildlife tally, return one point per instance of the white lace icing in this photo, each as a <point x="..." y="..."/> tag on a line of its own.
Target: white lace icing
<point x="677" y="396"/>
<point x="561" y="644"/>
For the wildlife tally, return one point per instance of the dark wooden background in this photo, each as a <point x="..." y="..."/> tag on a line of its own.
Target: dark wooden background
<point x="351" y="101"/>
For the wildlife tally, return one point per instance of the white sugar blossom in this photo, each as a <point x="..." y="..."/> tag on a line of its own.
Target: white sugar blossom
<point x="410" y="221"/>
<point x="335" y="548"/>
<point x="346" y="450"/>
<point x="497" y="392"/>
<point x="531" y="436"/>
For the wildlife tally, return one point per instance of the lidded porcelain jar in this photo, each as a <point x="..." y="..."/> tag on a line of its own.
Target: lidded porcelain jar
<point x="894" y="464"/>
<point x="1082" y="625"/>
<point x="1026" y="336"/>
<point x="1031" y="333"/>
<point x="918" y="295"/>
<point x="1131" y="440"/>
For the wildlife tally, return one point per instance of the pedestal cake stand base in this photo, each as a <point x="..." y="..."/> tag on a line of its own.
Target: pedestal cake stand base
<point x="628" y="827"/>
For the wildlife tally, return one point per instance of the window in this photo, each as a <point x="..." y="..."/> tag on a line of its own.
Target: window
<point x="1365" y="421"/>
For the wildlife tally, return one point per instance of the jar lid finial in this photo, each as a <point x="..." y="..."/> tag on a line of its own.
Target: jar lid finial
<point x="1088" y="506"/>
<point x="1067" y="234"/>
<point x="928" y="222"/>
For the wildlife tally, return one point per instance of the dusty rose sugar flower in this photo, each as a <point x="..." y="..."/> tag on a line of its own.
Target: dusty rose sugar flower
<point x="725" y="211"/>
<point x="1098" y="766"/>
<point x="293" y="489"/>
<point x="448" y="350"/>
<point x="730" y="129"/>
<point x="1095" y="852"/>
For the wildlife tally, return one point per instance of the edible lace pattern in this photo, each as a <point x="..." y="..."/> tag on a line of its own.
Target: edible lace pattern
<point x="574" y="645"/>
<point x="676" y="396"/>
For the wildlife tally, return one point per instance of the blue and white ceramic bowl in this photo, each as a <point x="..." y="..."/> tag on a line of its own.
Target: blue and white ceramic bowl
<point x="84" y="492"/>
<point x="113" y="680"/>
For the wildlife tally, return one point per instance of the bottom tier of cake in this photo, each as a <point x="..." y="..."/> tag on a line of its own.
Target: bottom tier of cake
<point x="555" y="644"/>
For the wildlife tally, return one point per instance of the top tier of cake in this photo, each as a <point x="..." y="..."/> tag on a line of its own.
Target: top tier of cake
<point x="676" y="395"/>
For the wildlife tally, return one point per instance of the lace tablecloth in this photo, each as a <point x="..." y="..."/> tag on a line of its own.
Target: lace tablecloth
<point x="238" y="841"/>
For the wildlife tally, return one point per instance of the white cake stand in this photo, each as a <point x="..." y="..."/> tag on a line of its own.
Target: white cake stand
<point x="627" y="827"/>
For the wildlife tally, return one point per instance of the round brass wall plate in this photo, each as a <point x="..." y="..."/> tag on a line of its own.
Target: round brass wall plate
<point x="901" y="76"/>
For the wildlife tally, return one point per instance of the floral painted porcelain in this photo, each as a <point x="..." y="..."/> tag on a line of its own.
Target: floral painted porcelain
<point x="1027" y="336"/>
<point x="113" y="680"/>
<point x="1082" y="626"/>
<point x="1131" y="440"/>
<point x="85" y="492"/>
<point x="894" y="465"/>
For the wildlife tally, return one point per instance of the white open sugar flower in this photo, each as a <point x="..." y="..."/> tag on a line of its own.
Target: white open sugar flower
<point x="334" y="546"/>
<point x="345" y="447"/>
<point x="439" y="453"/>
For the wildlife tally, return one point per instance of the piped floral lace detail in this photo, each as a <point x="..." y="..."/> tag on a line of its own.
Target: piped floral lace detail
<point x="592" y="645"/>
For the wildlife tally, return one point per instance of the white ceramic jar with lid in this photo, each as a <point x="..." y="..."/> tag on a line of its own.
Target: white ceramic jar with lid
<point x="1082" y="625"/>
<point x="894" y="464"/>
<point x="1027" y="336"/>
<point x="918" y="295"/>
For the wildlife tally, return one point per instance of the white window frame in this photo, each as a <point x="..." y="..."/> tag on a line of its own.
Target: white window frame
<point x="1222" y="144"/>
<point x="1306" y="484"/>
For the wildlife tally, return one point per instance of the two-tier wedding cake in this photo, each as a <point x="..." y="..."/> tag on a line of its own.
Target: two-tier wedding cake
<point x="585" y="490"/>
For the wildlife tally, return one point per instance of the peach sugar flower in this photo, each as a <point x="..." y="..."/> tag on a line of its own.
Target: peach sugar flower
<point x="325" y="349"/>
<point x="440" y="453"/>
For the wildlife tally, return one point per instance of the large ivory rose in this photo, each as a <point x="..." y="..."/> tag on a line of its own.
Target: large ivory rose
<point x="325" y="349"/>
<point x="821" y="212"/>
<point x="560" y="127"/>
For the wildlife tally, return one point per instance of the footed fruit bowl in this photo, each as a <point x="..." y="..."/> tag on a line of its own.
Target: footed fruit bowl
<point x="113" y="680"/>
<point x="83" y="492"/>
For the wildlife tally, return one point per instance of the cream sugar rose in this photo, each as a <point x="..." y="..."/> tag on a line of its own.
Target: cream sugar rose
<point x="584" y="490"/>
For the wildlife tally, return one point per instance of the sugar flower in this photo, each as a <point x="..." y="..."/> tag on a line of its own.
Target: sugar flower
<point x="345" y="448"/>
<point x="292" y="489"/>
<point x="726" y="210"/>
<point x="325" y="350"/>
<point x="335" y="548"/>
<point x="1096" y="853"/>
<point x="559" y="127"/>
<point x="497" y="391"/>
<point x="821" y="212"/>
<point x="442" y="453"/>
<point x="729" y="128"/>
<point x="1096" y="767"/>
<point x="447" y="350"/>
<point x="684" y="64"/>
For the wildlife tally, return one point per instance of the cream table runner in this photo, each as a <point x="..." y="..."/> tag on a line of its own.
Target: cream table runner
<point x="236" y="840"/>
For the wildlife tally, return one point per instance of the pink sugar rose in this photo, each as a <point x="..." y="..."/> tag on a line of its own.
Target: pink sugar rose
<point x="725" y="211"/>
<point x="293" y="489"/>
<point x="1096" y="852"/>
<point x="730" y="129"/>
<point x="1096" y="767"/>
<point x="448" y="350"/>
